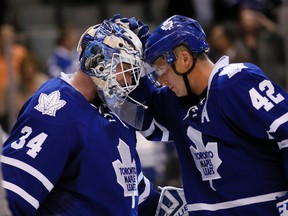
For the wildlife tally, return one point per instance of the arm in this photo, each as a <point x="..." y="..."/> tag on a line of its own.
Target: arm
<point x="260" y="112"/>
<point x="3" y="201"/>
<point x="33" y="159"/>
<point x="148" y="197"/>
<point x="146" y="93"/>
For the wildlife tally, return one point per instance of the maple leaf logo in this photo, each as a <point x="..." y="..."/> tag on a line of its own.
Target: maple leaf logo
<point x="232" y="69"/>
<point x="206" y="158"/>
<point x="49" y="104"/>
<point x="126" y="171"/>
<point x="167" y="25"/>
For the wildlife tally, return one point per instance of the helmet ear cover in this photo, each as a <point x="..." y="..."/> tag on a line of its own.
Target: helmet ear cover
<point x="97" y="56"/>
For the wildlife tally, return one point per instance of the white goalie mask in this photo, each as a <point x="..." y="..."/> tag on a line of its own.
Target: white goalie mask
<point x="112" y="56"/>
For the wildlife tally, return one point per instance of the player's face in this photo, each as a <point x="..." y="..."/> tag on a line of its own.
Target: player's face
<point x="169" y="78"/>
<point x="124" y="74"/>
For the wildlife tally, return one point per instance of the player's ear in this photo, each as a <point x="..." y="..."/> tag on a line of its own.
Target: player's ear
<point x="186" y="59"/>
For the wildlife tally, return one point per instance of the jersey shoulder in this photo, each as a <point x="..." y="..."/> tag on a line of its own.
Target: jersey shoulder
<point x="234" y="74"/>
<point x="57" y="102"/>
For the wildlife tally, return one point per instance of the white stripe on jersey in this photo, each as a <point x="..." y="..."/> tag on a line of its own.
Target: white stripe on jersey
<point x="140" y="177"/>
<point x="234" y="203"/>
<point x="274" y="126"/>
<point x="151" y="129"/>
<point x="283" y="144"/>
<point x="146" y="192"/>
<point x="29" y="169"/>
<point x="21" y="192"/>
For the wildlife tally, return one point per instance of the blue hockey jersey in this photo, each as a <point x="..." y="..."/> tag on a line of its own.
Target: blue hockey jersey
<point x="232" y="144"/>
<point x="67" y="157"/>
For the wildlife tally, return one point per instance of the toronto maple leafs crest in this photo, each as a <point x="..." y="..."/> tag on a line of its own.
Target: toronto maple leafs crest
<point x="126" y="171"/>
<point x="49" y="104"/>
<point x="206" y="158"/>
<point x="232" y="69"/>
<point x="167" y="25"/>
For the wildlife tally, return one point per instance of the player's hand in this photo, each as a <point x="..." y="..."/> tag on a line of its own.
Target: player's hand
<point x="171" y="202"/>
<point x="137" y="26"/>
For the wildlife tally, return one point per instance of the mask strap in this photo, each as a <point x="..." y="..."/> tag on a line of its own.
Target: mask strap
<point x="185" y="75"/>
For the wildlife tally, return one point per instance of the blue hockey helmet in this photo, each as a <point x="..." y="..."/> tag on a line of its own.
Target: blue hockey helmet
<point x="172" y="32"/>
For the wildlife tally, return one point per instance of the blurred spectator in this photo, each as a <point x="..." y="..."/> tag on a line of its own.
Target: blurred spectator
<point x="228" y="9"/>
<point x="64" y="57"/>
<point x="257" y="20"/>
<point x="11" y="54"/>
<point x="224" y="39"/>
<point x="283" y="31"/>
<point x="266" y="7"/>
<point x="264" y="43"/>
<point x="30" y="79"/>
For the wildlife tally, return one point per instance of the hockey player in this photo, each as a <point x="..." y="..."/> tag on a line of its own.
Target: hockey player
<point x="69" y="153"/>
<point x="229" y="123"/>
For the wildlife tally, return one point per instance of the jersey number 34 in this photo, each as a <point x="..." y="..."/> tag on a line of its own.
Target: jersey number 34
<point x="33" y="144"/>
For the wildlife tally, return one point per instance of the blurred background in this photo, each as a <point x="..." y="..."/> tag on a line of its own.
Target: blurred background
<point x="38" y="40"/>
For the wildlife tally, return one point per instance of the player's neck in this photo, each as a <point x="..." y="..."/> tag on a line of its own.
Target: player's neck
<point x="200" y="76"/>
<point x="84" y="84"/>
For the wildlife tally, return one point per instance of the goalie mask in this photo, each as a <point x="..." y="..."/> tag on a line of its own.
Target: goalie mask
<point x="112" y="56"/>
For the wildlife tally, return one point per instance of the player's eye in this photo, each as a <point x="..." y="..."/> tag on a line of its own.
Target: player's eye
<point x="161" y="71"/>
<point x="126" y="66"/>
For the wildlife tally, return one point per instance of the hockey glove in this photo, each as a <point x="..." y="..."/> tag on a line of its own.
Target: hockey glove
<point x="171" y="202"/>
<point x="137" y="26"/>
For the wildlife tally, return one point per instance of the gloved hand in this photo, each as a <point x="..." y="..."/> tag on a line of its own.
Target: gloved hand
<point x="137" y="26"/>
<point x="171" y="202"/>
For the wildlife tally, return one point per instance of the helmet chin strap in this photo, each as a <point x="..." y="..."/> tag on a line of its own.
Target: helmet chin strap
<point x="185" y="75"/>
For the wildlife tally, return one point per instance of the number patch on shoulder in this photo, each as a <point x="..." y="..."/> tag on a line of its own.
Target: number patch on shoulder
<point x="264" y="96"/>
<point x="34" y="144"/>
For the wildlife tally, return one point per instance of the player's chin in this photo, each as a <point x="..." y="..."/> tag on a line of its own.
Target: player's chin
<point x="177" y="93"/>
